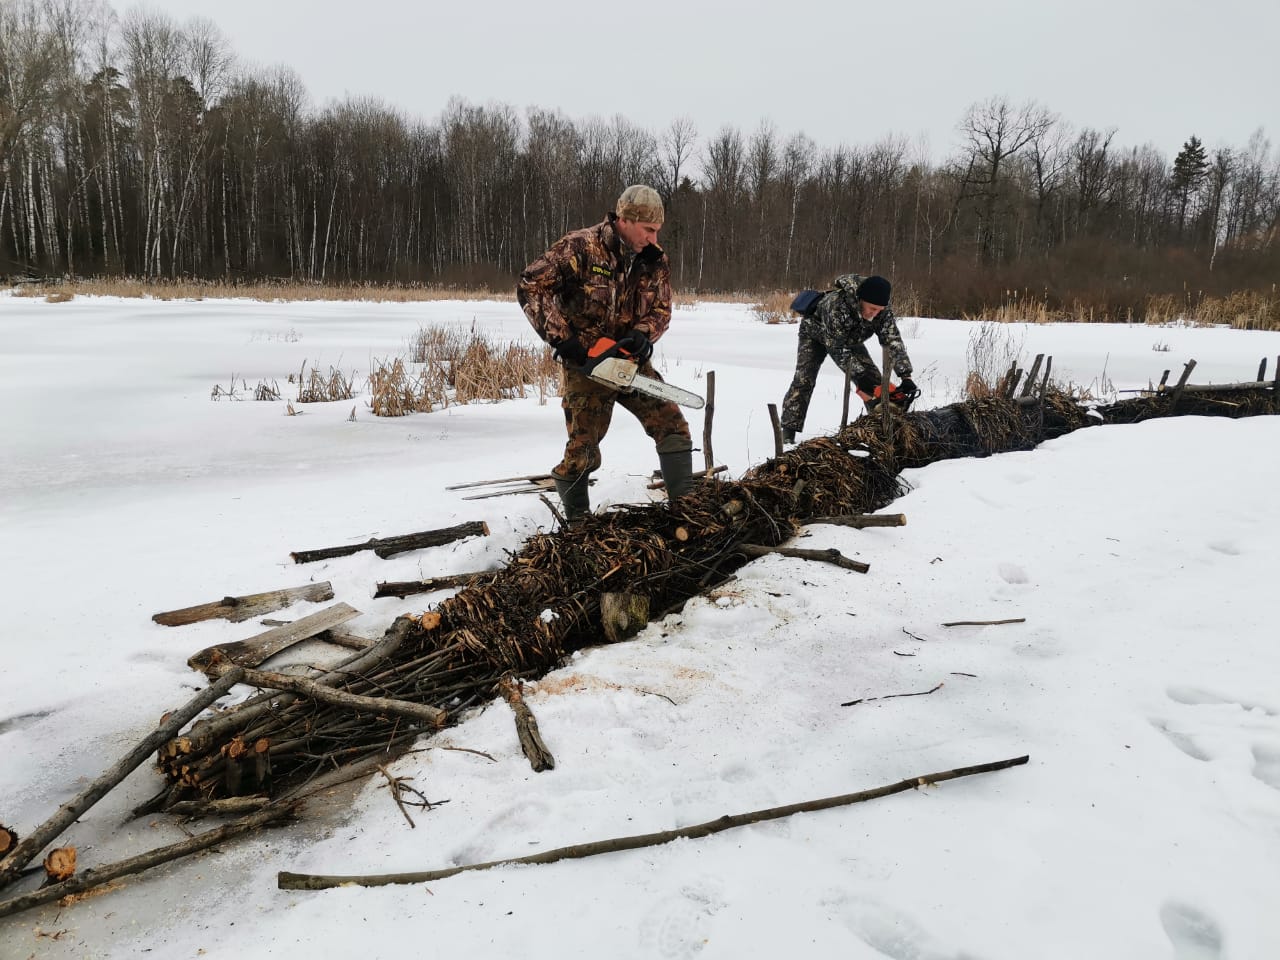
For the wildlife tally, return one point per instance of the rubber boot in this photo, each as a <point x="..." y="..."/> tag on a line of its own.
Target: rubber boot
<point x="788" y="436"/>
<point x="677" y="472"/>
<point x="575" y="497"/>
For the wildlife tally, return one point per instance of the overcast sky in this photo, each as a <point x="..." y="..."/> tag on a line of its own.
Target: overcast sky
<point x="852" y="72"/>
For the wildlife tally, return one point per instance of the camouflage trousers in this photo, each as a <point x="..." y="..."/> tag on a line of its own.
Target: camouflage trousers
<point x="588" y="410"/>
<point x="850" y="356"/>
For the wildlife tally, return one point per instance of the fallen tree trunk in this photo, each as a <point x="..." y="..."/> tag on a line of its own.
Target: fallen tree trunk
<point x="390" y="546"/>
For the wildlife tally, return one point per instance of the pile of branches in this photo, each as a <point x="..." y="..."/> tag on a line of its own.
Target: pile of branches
<point x="521" y="621"/>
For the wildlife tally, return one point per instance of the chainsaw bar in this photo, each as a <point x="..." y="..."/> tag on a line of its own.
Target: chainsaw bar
<point x="621" y="375"/>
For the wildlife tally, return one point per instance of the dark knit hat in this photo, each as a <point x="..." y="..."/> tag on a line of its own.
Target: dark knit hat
<point x="875" y="290"/>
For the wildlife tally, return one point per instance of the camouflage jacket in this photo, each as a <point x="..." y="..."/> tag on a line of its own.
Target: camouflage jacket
<point x="838" y="323"/>
<point x="590" y="285"/>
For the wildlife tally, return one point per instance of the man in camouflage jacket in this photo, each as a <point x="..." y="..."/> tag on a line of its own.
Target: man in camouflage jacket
<point x="838" y="325"/>
<point x="609" y="280"/>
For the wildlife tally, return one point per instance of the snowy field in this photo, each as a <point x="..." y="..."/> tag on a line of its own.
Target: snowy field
<point x="1144" y="683"/>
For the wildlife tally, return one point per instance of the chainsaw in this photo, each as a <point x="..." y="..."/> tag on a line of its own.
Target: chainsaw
<point x="611" y="365"/>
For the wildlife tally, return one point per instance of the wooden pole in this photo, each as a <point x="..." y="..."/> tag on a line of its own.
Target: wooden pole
<point x="407" y="588"/>
<point x="709" y="412"/>
<point x="777" y="429"/>
<point x="70" y="811"/>
<point x="1262" y="370"/>
<point x="844" y="409"/>
<point x="432" y="716"/>
<point x="304" y="881"/>
<point x="885" y="413"/>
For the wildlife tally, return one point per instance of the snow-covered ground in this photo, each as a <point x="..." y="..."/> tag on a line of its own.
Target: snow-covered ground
<point x="1143" y="682"/>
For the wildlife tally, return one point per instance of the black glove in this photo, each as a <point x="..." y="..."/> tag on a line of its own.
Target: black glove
<point x="905" y="393"/>
<point x="637" y="346"/>
<point x="867" y="383"/>
<point x="570" y="351"/>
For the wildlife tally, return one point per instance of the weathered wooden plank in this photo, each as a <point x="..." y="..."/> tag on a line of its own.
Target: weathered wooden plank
<point x="256" y="649"/>
<point x="236" y="609"/>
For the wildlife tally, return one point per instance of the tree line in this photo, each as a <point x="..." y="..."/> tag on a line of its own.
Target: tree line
<point x="135" y="146"/>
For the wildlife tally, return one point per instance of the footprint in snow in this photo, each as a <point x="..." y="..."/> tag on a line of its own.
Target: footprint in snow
<point x="1266" y="764"/>
<point x="22" y="720"/>
<point x="1225" y="546"/>
<point x="1181" y="741"/>
<point x="1196" y="697"/>
<point x="1012" y="573"/>
<point x="680" y="925"/>
<point x="1193" y="934"/>
<point x="893" y="933"/>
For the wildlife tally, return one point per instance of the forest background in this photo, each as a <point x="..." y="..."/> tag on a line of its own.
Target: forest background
<point x="136" y="147"/>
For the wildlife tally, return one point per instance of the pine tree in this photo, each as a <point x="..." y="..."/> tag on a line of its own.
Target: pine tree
<point x="1189" y="168"/>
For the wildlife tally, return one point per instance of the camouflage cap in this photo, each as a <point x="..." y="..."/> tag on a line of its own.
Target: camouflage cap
<point x="640" y="204"/>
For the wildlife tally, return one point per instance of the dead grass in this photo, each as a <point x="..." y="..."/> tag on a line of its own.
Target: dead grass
<point x="317" y="387"/>
<point x="990" y="352"/>
<point x="458" y="366"/>
<point x="776" y="308"/>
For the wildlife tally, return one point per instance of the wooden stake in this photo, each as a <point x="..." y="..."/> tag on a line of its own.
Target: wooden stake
<point x="1262" y="370"/>
<point x="885" y="414"/>
<point x="251" y="605"/>
<point x="304" y="881"/>
<point x="1182" y="382"/>
<point x="777" y="429"/>
<point x="708" y="413"/>
<point x="70" y="811"/>
<point x="540" y="757"/>
<point x="390" y="546"/>
<point x="844" y="407"/>
<point x="1031" y="377"/>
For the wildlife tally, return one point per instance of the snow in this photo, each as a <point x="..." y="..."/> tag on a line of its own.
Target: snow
<point x="1142" y="683"/>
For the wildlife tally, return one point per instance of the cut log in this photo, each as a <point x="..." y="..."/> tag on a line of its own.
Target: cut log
<point x="8" y="839"/>
<point x="236" y="609"/>
<point x="540" y="757"/>
<point x="59" y="865"/>
<point x="263" y="646"/>
<point x="825" y="556"/>
<point x="342" y="638"/>
<point x="432" y="716"/>
<point x="623" y="615"/>
<point x="67" y="814"/>
<point x="390" y="546"/>
<point x="861" y="521"/>
<point x="1225" y="387"/>
<point x="407" y="588"/>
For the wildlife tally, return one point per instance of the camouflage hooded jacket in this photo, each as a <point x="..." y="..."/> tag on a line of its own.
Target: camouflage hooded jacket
<point x="837" y="323"/>
<point x="590" y="285"/>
